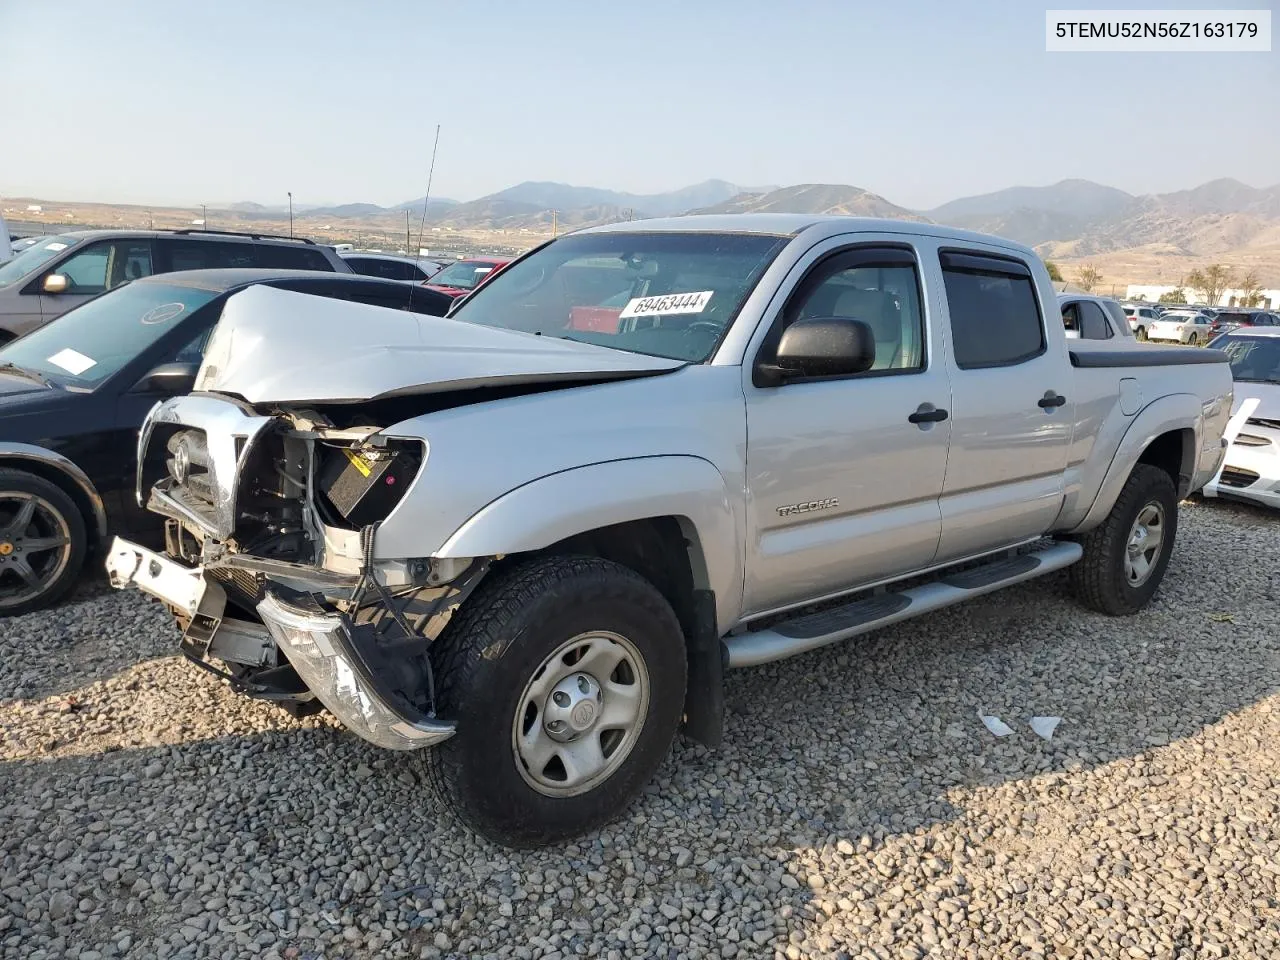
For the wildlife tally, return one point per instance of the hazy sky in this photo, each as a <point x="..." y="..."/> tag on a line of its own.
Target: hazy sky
<point x="184" y="102"/>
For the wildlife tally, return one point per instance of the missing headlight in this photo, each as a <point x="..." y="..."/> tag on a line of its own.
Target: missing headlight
<point x="364" y="483"/>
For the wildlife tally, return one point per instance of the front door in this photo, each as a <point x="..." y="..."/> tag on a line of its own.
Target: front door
<point x="844" y="473"/>
<point x="1012" y="409"/>
<point x="95" y="268"/>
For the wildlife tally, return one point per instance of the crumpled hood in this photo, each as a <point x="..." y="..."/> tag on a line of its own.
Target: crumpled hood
<point x="278" y="346"/>
<point x="1268" y="395"/>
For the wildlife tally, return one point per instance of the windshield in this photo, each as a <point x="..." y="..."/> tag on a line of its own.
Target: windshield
<point x="663" y="294"/>
<point x="464" y="275"/>
<point x="1252" y="358"/>
<point x="33" y="258"/>
<point x="85" y="346"/>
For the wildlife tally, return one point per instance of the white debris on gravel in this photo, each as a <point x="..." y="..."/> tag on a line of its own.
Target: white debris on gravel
<point x="854" y="810"/>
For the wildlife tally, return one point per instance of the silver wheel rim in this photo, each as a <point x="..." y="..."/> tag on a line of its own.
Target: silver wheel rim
<point x="1146" y="539"/>
<point x="580" y="714"/>
<point x="35" y="546"/>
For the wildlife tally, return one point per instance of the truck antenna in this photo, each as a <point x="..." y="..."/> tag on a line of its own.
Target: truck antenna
<point x="426" y="201"/>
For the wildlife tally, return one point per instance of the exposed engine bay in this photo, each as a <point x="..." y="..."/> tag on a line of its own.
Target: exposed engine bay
<point x="297" y="521"/>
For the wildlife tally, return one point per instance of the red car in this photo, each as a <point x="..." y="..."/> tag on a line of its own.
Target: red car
<point x="463" y="276"/>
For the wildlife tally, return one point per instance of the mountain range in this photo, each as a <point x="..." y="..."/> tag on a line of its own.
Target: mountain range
<point x="1072" y="220"/>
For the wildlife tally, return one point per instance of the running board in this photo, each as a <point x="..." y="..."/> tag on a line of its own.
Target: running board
<point x="810" y="631"/>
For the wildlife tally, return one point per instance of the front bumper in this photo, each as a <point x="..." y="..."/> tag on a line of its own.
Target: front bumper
<point x="318" y="645"/>
<point x="1251" y="469"/>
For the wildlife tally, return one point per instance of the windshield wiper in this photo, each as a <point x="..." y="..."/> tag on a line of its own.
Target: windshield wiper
<point x="38" y="377"/>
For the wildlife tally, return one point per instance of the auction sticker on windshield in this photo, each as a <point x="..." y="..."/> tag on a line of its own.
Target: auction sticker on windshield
<point x="163" y="313"/>
<point x="72" y="361"/>
<point x="667" y="304"/>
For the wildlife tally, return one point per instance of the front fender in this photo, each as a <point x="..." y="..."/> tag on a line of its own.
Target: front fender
<point x="1179" y="411"/>
<point x="550" y="509"/>
<point x="32" y="454"/>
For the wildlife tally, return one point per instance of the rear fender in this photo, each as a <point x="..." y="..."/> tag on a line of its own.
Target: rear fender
<point x="562" y="505"/>
<point x="1178" y="412"/>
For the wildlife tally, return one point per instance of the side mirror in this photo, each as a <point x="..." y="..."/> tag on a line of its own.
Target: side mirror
<point x="820" y="347"/>
<point x="56" y="283"/>
<point x="170" y="379"/>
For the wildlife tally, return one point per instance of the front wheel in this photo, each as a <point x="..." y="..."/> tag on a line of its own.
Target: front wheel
<point x="566" y="676"/>
<point x="1125" y="557"/>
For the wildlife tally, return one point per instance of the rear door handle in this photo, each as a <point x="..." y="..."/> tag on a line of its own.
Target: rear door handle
<point x="927" y="413"/>
<point x="1051" y="400"/>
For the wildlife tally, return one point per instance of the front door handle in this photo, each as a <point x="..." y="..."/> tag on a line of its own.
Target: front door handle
<point x="1051" y="400"/>
<point x="927" y="413"/>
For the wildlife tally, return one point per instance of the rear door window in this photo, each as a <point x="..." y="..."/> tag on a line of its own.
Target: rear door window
<point x="995" y="314"/>
<point x="181" y="253"/>
<point x="1093" y="323"/>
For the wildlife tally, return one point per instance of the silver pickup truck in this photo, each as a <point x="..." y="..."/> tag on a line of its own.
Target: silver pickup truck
<point x="531" y="536"/>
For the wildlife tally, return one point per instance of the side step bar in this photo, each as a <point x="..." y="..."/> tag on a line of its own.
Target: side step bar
<point x="810" y="631"/>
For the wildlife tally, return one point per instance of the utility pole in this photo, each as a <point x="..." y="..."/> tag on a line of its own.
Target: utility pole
<point x="555" y="224"/>
<point x="408" y="236"/>
<point x="204" y="216"/>
<point x="290" y="214"/>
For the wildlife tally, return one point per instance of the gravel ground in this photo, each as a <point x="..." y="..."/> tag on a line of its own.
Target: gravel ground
<point x="858" y="807"/>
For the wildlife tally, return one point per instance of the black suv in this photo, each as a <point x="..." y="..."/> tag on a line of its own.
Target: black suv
<point x="1233" y="317"/>
<point x="64" y="270"/>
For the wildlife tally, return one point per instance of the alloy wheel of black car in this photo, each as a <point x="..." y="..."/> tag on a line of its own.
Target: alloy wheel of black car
<point x="42" y="542"/>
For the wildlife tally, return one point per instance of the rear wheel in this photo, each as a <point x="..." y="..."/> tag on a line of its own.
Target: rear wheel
<point x="42" y="542"/>
<point x="1125" y="557"/>
<point x="1193" y="340"/>
<point x="566" y="676"/>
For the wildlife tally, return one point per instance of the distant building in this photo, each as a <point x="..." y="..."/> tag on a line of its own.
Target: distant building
<point x="35" y="208"/>
<point x="1230" y="298"/>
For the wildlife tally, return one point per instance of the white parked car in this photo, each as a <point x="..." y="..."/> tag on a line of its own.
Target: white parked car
<point x="1251" y="469"/>
<point x="1141" y="319"/>
<point x="1181" y="326"/>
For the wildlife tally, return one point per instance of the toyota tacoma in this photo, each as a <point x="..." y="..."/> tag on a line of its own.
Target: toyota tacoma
<point x="528" y="539"/>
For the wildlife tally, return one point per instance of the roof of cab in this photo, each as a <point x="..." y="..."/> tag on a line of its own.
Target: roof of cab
<point x="793" y="224"/>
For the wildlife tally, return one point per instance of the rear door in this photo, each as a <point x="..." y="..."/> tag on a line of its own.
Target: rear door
<point x="843" y="473"/>
<point x="1011" y="410"/>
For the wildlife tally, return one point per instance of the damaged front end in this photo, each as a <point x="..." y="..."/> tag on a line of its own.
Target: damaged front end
<point x="269" y="566"/>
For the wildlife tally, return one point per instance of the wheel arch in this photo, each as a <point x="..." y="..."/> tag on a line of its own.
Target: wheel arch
<point x="1166" y="434"/>
<point x="66" y="475"/>
<point x="640" y="512"/>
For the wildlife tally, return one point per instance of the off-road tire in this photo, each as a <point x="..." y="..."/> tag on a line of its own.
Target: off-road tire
<point x="1098" y="579"/>
<point x="490" y="651"/>
<point x="61" y="502"/>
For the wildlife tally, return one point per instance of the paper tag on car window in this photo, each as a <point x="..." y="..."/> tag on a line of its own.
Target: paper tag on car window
<point x="667" y="304"/>
<point x="72" y="361"/>
<point x="55" y="247"/>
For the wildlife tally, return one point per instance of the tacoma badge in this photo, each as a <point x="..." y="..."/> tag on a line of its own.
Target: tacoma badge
<point x="808" y="507"/>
